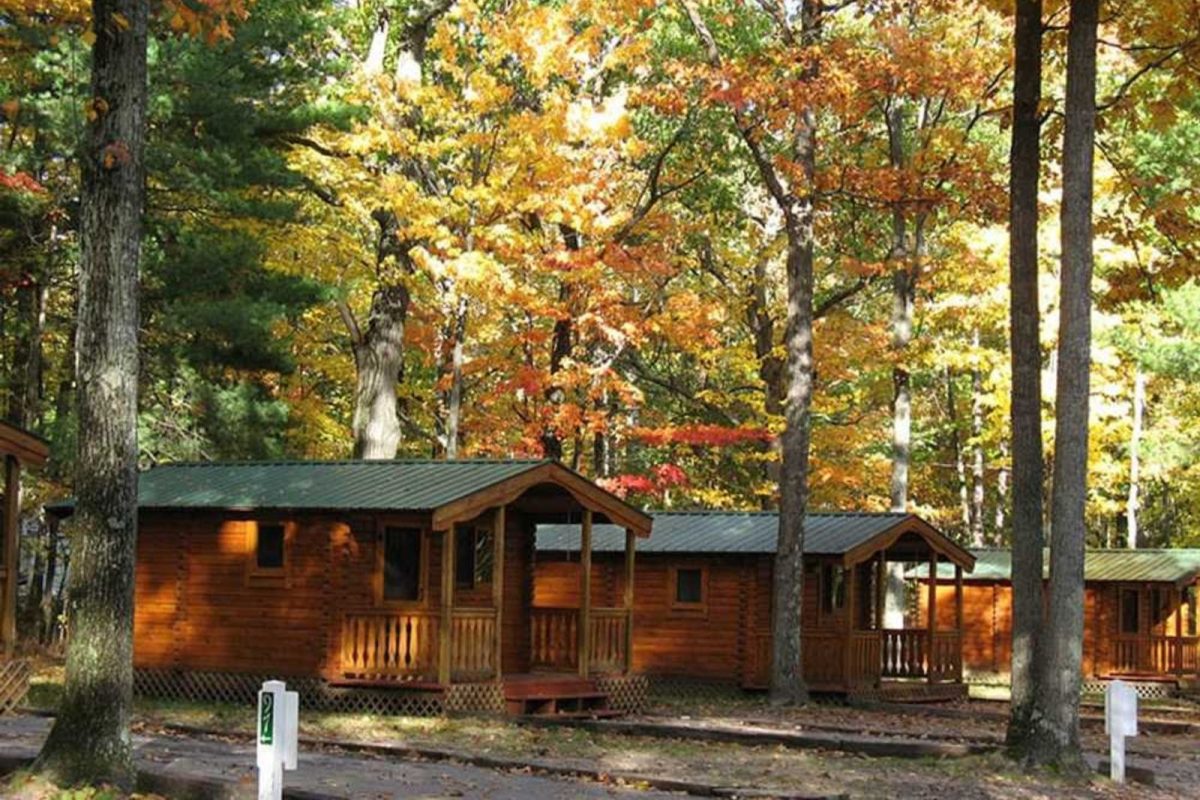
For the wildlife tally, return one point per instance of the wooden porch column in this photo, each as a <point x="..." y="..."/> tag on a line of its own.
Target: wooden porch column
<point x="12" y="507"/>
<point x="850" y="667"/>
<point x="1177" y="650"/>
<point x="585" y="592"/>
<point x="880" y="584"/>
<point x="498" y="534"/>
<point x="958" y="620"/>
<point x="929" y="654"/>
<point x="630" y="549"/>
<point x="445" y="629"/>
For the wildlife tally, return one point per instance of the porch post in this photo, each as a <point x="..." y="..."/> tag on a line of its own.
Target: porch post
<point x="850" y="667"/>
<point x="630" y="548"/>
<point x="930" y="655"/>
<point x="498" y="532"/>
<point x="12" y="507"/>
<point x="585" y="592"/>
<point x="445" y="629"/>
<point x="958" y="620"/>
<point x="1177" y="650"/>
<point x="880" y="583"/>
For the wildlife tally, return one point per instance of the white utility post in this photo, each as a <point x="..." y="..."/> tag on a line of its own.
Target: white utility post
<point x="1120" y="720"/>
<point x="278" y="728"/>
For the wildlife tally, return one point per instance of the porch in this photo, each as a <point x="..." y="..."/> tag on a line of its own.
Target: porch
<point x="852" y="643"/>
<point x="1154" y="631"/>
<point x="493" y="633"/>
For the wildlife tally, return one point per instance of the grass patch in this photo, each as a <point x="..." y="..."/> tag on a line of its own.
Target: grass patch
<point x="25" y="785"/>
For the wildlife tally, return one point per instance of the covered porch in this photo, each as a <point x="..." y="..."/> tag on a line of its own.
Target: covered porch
<point x="852" y="643"/>
<point x="453" y="602"/>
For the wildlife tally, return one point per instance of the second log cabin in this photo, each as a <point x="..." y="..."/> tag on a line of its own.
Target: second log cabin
<point x="703" y="599"/>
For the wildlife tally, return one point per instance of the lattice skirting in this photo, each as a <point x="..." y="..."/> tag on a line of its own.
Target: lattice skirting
<point x="315" y="694"/>
<point x="1146" y="690"/>
<point x="475" y="698"/>
<point x="629" y="694"/>
<point x="14" y="683"/>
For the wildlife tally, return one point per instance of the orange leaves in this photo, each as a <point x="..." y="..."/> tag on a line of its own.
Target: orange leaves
<point x="20" y="182"/>
<point x="699" y="435"/>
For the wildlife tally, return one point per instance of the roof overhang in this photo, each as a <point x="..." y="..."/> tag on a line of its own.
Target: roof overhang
<point x="28" y="448"/>
<point x="586" y="493"/>
<point x="938" y="542"/>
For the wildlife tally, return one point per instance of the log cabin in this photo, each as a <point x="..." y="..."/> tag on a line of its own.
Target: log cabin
<point x="408" y="577"/>
<point x="19" y="449"/>
<point x="1140" y="616"/>
<point x="703" y="599"/>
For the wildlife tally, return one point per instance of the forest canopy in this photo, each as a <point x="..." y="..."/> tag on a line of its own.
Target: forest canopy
<point x="534" y="229"/>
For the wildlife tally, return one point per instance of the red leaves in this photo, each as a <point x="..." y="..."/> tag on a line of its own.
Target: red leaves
<point x="700" y="435"/>
<point x="21" y="182"/>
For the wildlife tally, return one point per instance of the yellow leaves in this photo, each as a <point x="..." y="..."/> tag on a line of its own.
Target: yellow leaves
<point x="120" y="21"/>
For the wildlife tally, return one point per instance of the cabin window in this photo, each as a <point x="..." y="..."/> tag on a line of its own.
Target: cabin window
<point x="268" y="547"/>
<point x="402" y="564"/>
<point x="1130" y="610"/>
<point x="1159" y="607"/>
<point x="833" y="584"/>
<point x="688" y="587"/>
<point x="267" y="553"/>
<point x="472" y="557"/>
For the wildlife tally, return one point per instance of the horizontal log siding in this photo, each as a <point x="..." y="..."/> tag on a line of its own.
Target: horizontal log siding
<point x="194" y="609"/>
<point x="703" y="643"/>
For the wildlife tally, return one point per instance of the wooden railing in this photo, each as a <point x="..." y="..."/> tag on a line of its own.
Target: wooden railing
<point x="824" y="657"/>
<point x="864" y="661"/>
<point x="945" y="656"/>
<point x="904" y="652"/>
<point x="554" y="638"/>
<point x="390" y="645"/>
<point x="473" y="643"/>
<point x="1163" y="655"/>
<point x="606" y="651"/>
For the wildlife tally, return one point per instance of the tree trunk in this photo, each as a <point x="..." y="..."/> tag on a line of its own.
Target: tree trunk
<point x="960" y="463"/>
<point x="1135" y="444"/>
<point x="1027" y="458"/>
<point x="561" y="346"/>
<point x="977" y="467"/>
<point x="1001" y="494"/>
<point x="450" y="375"/>
<point x="90" y="740"/>
<point x="902" y="314"/>
<point x="1054" y="734"/>
<point x="379" y="365"/>
<point x="26" y="395"/>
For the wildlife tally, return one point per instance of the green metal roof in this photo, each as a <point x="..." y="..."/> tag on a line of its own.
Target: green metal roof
<point x="746" y="532"/>
<point x="399" y="485"/>
<point x="1178" y="565"/>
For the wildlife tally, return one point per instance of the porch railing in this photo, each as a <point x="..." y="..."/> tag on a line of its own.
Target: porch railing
<point x="473" y="643"/>
<point x="554" y="638"/>
<point x="910" y="653"/>
<point x="390" y="645"/>
<point x="1165" y="655"/>
<point x="606" y="652"/>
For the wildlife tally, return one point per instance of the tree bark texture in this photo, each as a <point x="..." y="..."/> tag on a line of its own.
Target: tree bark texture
<point x="978" y="462"/>
<point x="1135" y="455"/>
<point x="1027" y="456"/>
<point x="379" y="365"/>
<point x="90" y="740"/>
<point x="1054" y="734"/>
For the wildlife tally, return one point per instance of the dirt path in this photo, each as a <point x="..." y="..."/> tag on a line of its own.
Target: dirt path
<point x="328" y="773"/>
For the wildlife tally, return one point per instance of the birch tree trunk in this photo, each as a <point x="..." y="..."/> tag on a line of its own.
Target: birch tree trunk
<point x="1027" y="457"/>
<point x="978" y="462"/>
<point x="1135" y="466"/>
<point x="1054" y="736"/>
<point x="90" y="740"/>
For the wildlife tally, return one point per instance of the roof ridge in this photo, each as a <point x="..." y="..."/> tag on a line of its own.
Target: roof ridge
<point x="713" y="512"/>
<point x="300" y="462"/>
<point x="1124" y="550"/>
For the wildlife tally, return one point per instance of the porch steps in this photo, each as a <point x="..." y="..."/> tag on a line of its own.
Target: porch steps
<point x="555" y="695"/>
